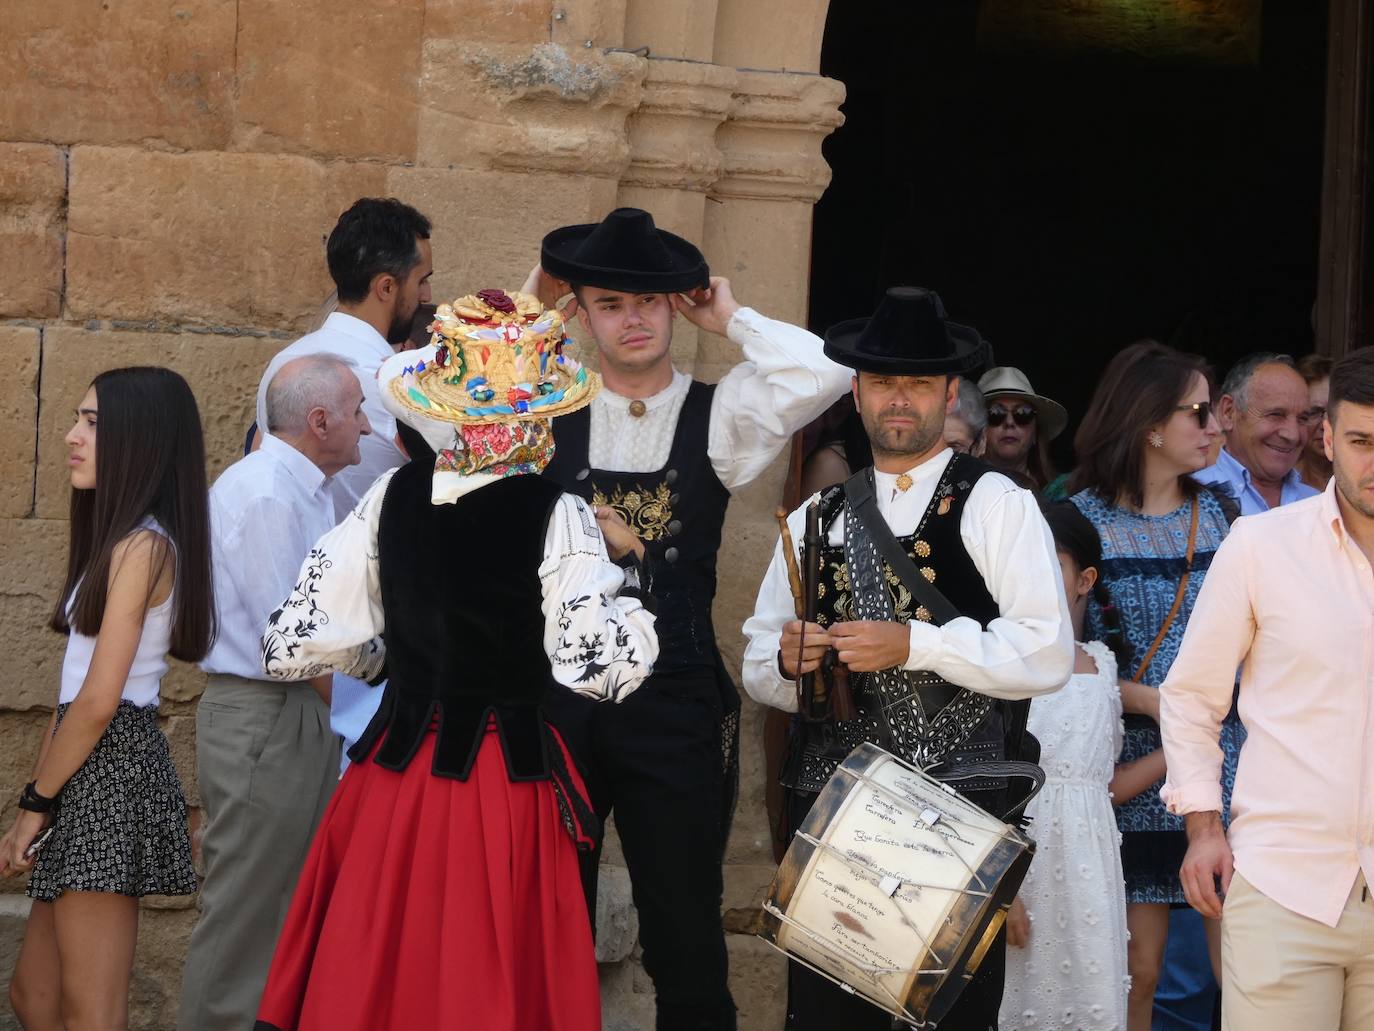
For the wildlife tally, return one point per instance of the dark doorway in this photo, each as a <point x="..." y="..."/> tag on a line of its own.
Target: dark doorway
<point x="1070" y="196"/>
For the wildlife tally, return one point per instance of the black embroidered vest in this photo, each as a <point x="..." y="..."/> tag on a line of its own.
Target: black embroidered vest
<point x="950" y="723"/>
<point x="464" y="624"/>
<point x="677" y="511"/>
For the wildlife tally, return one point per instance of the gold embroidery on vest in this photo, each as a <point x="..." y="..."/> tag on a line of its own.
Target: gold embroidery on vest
<point x="648" y="512"/>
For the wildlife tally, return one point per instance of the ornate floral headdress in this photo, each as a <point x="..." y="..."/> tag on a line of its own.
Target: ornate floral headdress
<point x="498" y="368"/>
<point x="497" y="358"/>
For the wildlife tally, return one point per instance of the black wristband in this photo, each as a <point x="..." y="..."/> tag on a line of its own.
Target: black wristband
<point x="31" y="800"/>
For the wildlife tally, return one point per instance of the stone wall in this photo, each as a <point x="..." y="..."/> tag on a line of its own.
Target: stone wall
<point x="168" y="172"/>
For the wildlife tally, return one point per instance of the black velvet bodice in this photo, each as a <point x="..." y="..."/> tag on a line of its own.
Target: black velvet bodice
<point x="464" y="624"/>
<point x="678" y="511"/>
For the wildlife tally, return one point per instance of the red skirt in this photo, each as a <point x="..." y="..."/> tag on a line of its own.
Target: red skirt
<point x="434" y="903"/>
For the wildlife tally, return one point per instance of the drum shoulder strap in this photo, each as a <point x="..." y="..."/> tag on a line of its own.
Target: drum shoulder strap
<point x="859" y="489"/>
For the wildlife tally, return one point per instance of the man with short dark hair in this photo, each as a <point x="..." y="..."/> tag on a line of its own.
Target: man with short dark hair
<point x="1261" y="408"/>
<point x="1290" y="598"/>
<point x="266" y="758"/>
<point x="663" y="452"/>
<point x="380" y="260"/>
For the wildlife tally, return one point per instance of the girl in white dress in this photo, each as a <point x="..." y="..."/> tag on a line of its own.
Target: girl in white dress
<point x="1067" y="964"/>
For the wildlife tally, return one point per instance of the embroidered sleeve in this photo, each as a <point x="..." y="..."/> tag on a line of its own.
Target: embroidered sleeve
<point x="600" y="640"/>
<point x="331" y="622"/>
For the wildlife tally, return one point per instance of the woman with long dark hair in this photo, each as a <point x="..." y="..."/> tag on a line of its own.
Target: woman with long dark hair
<point x="102" y="820"/>
<point x="1148" y="429"/>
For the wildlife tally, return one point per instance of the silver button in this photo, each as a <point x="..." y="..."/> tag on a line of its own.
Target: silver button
<point x="670" y="555"/>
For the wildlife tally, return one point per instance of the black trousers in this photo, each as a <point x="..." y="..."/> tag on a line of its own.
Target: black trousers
<point x="655" y="760"/>
<point x="815" y="1003"/>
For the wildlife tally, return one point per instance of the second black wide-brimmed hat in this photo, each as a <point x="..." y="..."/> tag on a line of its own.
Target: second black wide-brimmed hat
<point x="909" y="335"/>
<point x="624" y="251"/>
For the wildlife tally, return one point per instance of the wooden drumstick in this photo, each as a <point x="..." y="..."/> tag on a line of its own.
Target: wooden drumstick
<point x="789" y="554"/>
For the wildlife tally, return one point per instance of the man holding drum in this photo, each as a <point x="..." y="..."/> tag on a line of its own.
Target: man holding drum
<point x="939" y="590"/>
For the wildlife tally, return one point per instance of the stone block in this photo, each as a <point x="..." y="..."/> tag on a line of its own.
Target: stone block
<point x="681" y="29"/>
<point x="207" y="239"/>
<point x="782" y="34"/>
<point x="137" y="71"/>
<point x="33" y="193"/>
<point x="546" y="108"/>
<point x="508" y="213"/>
<point x="223" y="371"/>
<point x="338" y="80"/>
<point x="19" y="350"/>
<point x="490" y="21"/>
<point x="155" y="991"/>
<point x="181" y="739"/>
<point x="33" y="561"/>
<point x="21" y="735"/>
<point x="617" y="922"/>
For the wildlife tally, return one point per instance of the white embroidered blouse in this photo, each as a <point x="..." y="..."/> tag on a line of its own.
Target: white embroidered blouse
<point x="599" y="644"/>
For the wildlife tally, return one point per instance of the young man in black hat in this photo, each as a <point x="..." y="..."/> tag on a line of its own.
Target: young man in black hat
<point x="928" y="689"/>
<point x="663" y="452"/>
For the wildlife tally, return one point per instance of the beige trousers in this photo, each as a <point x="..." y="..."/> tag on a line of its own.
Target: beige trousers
<point x="267" y="763"/>
<point x="1285" y="972"/>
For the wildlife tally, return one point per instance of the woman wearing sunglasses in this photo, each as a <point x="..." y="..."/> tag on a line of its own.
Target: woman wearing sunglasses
<point x="1021" y="425"/>
<point x="1148" y="429"/>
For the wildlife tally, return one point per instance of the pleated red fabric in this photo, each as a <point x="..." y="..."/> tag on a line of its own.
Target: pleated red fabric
<point x="433" y="903"/>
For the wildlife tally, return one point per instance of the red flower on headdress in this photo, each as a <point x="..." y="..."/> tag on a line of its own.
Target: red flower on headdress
<point x="497" y="300"/>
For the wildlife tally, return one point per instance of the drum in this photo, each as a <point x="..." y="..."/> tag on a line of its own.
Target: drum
<point x="895" y="886"/>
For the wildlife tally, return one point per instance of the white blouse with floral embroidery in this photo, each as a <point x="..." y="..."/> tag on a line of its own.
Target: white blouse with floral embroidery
<point x="599" y="643"/>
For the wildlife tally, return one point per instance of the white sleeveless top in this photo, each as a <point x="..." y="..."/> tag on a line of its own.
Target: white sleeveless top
<point x="150" y="661"/>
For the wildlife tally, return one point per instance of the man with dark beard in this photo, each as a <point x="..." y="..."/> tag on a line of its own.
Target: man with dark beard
<point x="380" y="261"/>
<point x="931" y="691"/>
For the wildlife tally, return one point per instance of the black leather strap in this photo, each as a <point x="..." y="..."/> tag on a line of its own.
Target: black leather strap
<point x="996" y="768"/>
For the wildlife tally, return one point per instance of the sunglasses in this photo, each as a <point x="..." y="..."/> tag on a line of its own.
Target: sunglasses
<point x="1201" y="409"/>
<point x="1023" y="415"/>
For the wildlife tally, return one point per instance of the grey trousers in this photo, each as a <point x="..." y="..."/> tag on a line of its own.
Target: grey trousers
<point x="267" y="763"/>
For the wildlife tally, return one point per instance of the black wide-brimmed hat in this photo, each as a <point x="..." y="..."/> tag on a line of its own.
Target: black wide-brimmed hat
<point x="624" y="251"/>
<point x="909" y="335"/>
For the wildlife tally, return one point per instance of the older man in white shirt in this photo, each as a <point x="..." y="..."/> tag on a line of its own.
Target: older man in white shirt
<point x="380" y="261"/>
<point x="266" y="758"/>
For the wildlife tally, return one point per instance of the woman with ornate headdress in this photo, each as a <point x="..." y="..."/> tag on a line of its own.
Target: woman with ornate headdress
<point x="442" y="890"/>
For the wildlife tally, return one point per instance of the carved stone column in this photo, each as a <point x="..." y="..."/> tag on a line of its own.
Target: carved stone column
<point x="674" y="159"/>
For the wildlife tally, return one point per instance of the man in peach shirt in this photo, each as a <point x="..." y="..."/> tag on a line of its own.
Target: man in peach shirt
<point x="1290" y="595"/>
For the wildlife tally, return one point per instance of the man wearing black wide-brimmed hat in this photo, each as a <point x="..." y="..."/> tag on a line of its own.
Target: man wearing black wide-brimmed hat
<point x="658" y="453"/>
<point x="939" y="657"/>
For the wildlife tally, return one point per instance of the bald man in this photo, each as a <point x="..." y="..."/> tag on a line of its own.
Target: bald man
<point x="265" y="756"/>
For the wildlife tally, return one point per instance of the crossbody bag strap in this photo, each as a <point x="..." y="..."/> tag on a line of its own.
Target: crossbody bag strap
<point x="1178" y="597"/>
<point x="859" y="490"/>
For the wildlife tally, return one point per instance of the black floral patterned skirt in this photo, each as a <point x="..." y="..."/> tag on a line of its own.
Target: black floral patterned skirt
<point x="122" y="823"/>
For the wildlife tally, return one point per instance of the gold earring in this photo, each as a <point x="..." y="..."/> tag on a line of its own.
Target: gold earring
<point x="1155" y="439"/>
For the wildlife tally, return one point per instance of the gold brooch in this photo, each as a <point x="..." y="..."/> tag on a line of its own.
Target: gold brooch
<point x="638" y="408"/>
<point x="904" y="482"/>
<point x="923" y="613"/>
<point x="922" y="549"/>
<point x="928" y="573"/>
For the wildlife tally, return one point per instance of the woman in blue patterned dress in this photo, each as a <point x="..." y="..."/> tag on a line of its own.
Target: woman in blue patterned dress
<point x="1147" y="430"/>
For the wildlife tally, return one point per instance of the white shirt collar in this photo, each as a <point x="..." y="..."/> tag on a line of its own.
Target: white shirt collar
<point x="356" y="329"/>
<point x="664" y="397"/>
<point x="931" y="468"/>
<point x="447" y="487"/>
<point x="302" y="469"/>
